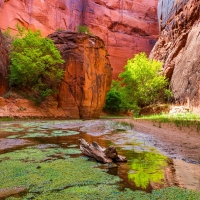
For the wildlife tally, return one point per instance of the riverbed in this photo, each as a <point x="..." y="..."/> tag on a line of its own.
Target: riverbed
<point x="42" y="160"/>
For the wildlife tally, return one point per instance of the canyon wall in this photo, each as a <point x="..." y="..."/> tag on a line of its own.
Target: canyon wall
<point x="127" y="27"/>
<point x="178" y="48"/>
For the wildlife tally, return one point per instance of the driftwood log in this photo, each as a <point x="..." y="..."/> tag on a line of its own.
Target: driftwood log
<point x="100" y="153"/>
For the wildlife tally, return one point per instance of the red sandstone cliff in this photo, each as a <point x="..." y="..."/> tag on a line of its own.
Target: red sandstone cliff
<point x="178" y="48"/>
<point x="127" y="27"/>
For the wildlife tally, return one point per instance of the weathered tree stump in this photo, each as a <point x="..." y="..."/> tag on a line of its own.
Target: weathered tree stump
<point x="100" y="153"/>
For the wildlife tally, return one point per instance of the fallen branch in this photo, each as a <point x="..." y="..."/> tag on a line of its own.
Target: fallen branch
<point x="100" y="153"/>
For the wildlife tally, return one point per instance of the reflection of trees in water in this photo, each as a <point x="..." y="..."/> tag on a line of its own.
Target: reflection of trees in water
<point x="147" y="167"/>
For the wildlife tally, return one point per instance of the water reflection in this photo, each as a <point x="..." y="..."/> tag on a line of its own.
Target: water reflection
<point x="146" y="168"/>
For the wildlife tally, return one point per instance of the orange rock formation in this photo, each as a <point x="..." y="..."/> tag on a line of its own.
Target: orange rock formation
<point x="88" y="74"/>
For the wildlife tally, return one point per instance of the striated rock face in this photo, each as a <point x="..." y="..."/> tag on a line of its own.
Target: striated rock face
<point x="88" y="74"/>
<point x="126" y="26"/>
<point x="178" y="48"/>
<point x="4" y="64"/>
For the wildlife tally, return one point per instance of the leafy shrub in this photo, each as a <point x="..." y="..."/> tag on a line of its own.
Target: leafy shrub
<point x="143" y="81"/>
<point x="113" y="101"/>
<point x="35" y="65"/>
<point x="84" y="29"/>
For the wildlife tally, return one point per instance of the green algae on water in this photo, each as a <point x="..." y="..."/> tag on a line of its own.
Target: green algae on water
<point x="33" y="135"/>
<point x="55" y="175"/>
<point x="58" y="133"/>
<point x="34" y="154"/>
<point x="111" y="192"/>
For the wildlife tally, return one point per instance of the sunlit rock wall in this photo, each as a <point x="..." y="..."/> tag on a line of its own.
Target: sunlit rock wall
<point x="88" y="74"/>
<point x="46" y="15"/>
<point x="126" y="26"/>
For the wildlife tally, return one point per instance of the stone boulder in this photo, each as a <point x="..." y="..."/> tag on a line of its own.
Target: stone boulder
<point x="88" y="74"/>
<point x="178" y="48"/>
<point x="4" y="65"/>
<point x="179" y="110"/>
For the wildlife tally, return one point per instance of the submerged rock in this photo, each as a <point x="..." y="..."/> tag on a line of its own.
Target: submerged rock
<point x="88" y="74"/>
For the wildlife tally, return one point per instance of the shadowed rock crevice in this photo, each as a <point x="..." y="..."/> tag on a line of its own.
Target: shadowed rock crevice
<point x="4" y="65"/>
<point x="126" y="29"/>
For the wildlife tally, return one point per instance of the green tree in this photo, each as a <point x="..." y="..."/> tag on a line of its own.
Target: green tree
<point x="142" y="82"/>
<point x="35" y="65"/>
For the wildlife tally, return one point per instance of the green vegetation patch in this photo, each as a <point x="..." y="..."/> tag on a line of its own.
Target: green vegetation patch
<point x="35" y="154"/>
<point x="123" y="125"/>
<point x="112" y="192"/>
<point x="84" y="29"/>
<point x="38" y="129"/>
<point x="54" y="133"/>
<point x="139" y="85"/>
<point x="33" y="135"/>
<point x="53" y="175"/>
<point x="63" y="133"/>
<point x="9" y="130"/>
<point x="180" y="120"/>
<point x="13" y="136"/>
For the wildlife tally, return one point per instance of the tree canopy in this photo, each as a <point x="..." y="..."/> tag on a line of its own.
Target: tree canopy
<point x="141" y="83"/>
<point x="35" y="64"/>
